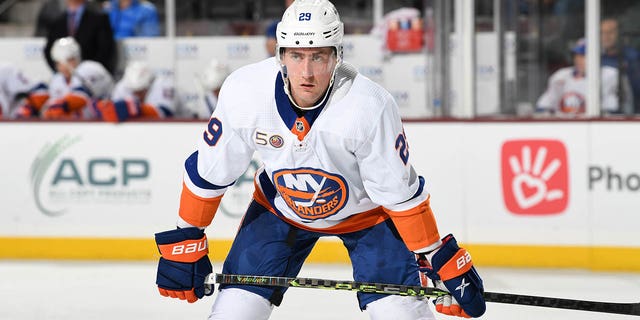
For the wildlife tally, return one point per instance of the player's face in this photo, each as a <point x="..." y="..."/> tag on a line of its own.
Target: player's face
<point x="64" y="69"/>
<point x="309" y="71"/>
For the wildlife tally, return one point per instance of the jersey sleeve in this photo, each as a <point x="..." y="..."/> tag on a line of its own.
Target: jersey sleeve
<point x="550" y="98"/>
<point x="18" y="83"/>
<point x="391" y="181"/>
<point x="222" y="156"/>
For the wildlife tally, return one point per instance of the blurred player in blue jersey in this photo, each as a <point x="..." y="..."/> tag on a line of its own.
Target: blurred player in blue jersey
<point x="335" y="163"/>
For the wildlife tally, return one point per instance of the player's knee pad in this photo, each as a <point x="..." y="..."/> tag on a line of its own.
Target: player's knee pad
<point x="402" y="308"/>
<point x="238" y="304"/>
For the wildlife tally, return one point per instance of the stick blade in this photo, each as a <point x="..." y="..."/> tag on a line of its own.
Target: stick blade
<point x="559" y="303"/>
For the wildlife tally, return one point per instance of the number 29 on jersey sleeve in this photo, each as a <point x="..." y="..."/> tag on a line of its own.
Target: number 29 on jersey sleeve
<point x="402" y="147"/>
<point x="213" y="132"/>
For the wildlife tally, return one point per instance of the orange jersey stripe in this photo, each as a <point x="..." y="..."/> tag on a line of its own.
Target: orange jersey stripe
<point x="195" y="210"/>
<point x="354" y="223"/>
<point x="185" y="251"/>
<point x="417" y="226"/>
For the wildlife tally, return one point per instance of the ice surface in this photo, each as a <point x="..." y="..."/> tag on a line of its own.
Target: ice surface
<point x="126" y="290"/>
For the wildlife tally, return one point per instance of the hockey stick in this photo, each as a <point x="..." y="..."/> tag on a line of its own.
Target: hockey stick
<point x="418" y="291"/>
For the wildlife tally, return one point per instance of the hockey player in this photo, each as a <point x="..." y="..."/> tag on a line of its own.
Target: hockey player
<point x="20" y="97"/>
<point x="209" y="82"/>
<point x="140" y="94"/>
<point x="336" y="163"/>
<point x="566" y="91"/>
<point x="77" y="84"/>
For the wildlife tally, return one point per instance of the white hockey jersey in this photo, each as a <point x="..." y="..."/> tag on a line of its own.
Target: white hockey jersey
<point x="566" y="92"/>
<point x="161" y="95"/>
<point x="93" y="78"/>
<point x="331" y="171"/>
<point x="58" y="86"/>
<point x="12" y="83"/>
<point x="90" y="81"/>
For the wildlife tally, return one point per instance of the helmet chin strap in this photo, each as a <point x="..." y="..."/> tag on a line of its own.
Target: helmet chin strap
<point x="285" y="79"/>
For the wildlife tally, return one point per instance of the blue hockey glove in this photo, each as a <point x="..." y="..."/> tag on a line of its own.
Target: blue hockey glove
<point x="451" y="269"/>
<point x="184" y="264"/>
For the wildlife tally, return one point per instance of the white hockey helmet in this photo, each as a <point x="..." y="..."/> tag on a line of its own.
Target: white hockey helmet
<point x="65" y="49"/>
<point x="309" y="24"/>
<point x="138" y="76"/>
<point x="213" y="75"/>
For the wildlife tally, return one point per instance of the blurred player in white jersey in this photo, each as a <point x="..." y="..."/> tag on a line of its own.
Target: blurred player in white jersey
<point x="336" y="163"/>
<point x="140" y="94"/>
<point x="77" y="84"/>
<point x="208" y="83"/>
<point x="567" y="89"/>
<point x="20" y="97"/>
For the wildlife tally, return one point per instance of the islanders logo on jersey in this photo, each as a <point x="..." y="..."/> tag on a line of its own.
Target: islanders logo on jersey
<point x="573" y="103"/>
<point x="311" y="193"/>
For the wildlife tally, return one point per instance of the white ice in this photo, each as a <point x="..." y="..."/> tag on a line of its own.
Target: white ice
<point x="114" y="290"/>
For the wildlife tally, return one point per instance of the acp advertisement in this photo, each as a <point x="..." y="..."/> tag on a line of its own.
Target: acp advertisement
<point x="102" y="180"/>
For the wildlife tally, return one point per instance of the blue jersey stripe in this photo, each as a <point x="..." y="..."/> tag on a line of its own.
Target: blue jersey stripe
<point x="122" y="111"/>
<point x="191" y="166"/>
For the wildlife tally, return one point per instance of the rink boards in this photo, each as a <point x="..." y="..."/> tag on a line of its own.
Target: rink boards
<point x="535" y="194"/>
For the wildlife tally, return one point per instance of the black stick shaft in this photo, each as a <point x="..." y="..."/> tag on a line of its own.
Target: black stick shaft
<point x="418" y="291"/>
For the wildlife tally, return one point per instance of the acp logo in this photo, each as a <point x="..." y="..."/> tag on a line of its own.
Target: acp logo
<point x="311" y="193"/>
<point x="535" y="176"/>
<point x="60" y="180"/>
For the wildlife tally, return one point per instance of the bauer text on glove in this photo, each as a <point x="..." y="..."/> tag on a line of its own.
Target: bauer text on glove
<point x="184" y="264"/>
